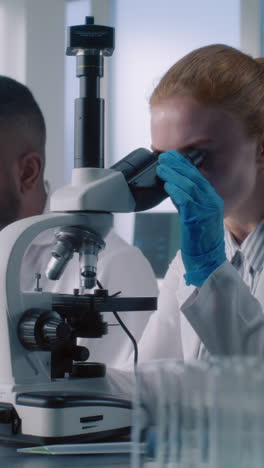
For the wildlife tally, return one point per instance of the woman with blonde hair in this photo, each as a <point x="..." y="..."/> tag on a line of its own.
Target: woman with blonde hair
<point x="207" y="120"/>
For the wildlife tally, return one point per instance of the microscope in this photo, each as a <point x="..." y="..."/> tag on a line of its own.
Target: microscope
<point x="49" y="391"/>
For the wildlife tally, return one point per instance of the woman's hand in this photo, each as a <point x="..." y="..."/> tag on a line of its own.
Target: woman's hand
<point x="201" y="212"/>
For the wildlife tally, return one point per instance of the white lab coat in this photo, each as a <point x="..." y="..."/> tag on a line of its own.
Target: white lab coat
<point x="222" y="314"/>
<point x="226" y="316"/>
<point x="121" y="267"/>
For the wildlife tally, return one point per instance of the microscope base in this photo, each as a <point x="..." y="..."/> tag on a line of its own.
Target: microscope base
<point x="53" y="417"/>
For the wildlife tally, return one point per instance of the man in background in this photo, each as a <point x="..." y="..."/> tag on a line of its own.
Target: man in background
<point x="121" y="267"/>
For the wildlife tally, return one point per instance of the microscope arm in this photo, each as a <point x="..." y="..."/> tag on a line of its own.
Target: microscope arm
<point x="15" y="238"/>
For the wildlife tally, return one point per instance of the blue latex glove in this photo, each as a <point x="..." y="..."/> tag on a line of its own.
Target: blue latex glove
<point x="201" y="212"/>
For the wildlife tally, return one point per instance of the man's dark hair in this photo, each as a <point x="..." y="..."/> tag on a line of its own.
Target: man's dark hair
<point x="18" y="108"/>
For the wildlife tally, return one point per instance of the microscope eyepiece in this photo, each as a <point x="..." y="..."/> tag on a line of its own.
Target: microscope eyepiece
<point x="139" y="170"/>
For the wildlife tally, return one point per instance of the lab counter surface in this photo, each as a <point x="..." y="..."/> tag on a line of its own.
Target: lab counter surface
<point x="10" y="458"/>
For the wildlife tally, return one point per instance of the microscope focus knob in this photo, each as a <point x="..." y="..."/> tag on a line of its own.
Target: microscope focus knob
<point x="80" y="353"/>
<point x="56" y="331"/>
<point x="45" y="330"/>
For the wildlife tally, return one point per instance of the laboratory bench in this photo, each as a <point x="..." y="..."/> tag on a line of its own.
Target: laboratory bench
<point x="10" y="458"/>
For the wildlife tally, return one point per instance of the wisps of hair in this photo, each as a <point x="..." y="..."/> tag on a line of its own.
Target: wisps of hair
<point x="218" y="74"/>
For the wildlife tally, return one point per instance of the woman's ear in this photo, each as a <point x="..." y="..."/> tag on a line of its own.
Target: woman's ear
<point x="30" y="169"/>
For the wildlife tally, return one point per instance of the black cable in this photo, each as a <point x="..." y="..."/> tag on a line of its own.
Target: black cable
<point x="99" y="284"/>
<point x="129" y="334"/>
<point x="121" y="323"/>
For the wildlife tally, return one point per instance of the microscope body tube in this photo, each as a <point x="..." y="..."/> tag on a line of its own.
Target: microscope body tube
<point x="89" y="113"/>
<point x="139" y="170"/>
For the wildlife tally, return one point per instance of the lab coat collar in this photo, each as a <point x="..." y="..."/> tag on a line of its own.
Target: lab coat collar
<point x="252" y="248"/>
<point x="47" y="190"/>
